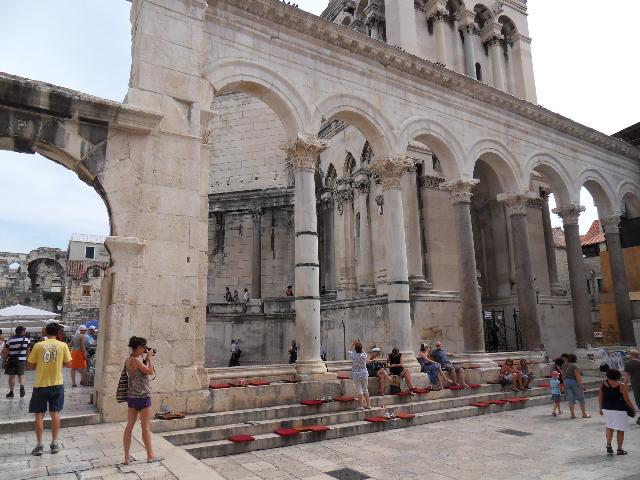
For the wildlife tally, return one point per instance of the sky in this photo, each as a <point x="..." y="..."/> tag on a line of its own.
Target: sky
<point x="583" y="70"/>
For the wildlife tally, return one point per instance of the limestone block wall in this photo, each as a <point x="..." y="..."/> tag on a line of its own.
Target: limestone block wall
<point x="79" y="307"/>
<point x="247" y="138"/>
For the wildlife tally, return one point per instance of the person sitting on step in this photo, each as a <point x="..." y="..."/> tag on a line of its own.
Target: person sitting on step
<point x="397" y="370"/>
<point x="442" y="357"/>
<point x="525" y="373"/>
<point x="375" y="368"/>
<point x="510" y="376"/>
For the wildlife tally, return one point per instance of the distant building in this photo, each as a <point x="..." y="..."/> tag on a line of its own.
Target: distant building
<point x="630" y="135"/>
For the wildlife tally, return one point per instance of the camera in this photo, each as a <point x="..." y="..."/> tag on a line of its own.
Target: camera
<point x="149" y="349"/>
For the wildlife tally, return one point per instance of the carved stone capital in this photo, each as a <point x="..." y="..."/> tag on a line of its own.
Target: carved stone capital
<point x="544" y="193"/>
<point x="460" y="190"/>
<point x="515" y="203"/>
<point x="429" y="181"/>
<point x="362" y="184"/>
<point x="467" y="21"/>
<point x="326" y="199"/>
<point x="304" y="151"/>
<point x="491" y="33"/>
<point x="343" y="192"/>
<point x="536" y="202"/>
<point x="389" y="170"/>
<point x="436" y="10"/>
<point x="569" y="214"/>
<point x="611" y="224"/>
<point x="256" y="215"/>
<point x="380" y="203"/>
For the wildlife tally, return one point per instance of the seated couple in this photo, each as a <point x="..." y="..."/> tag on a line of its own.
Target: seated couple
<point x="376" y="368"/>
<point x="440" y="370"/>
<point x="518" y="376"/>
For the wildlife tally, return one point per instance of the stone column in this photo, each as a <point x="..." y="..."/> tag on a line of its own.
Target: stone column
<point x="437" y="14"/>
<point x="400" y="20"/>
<point x="577" y="279"/>
<point x="256" y="254"/>
<point x="550" y="248"/>
<point x="364" y="262"/>
<point x="412" y="227"/>
<point x="291" y="252"/>
<point x="468" y="29"/>
<point x="304" y="153"/>
<point x="389" y="171"/>
<point x="516" y="206"/>
<point x="611" y="227"/>
<point x="470" y="303"/>
<point x="491" y="35"/>
<point x="329" y="244"/>
<point x="345" y="260"/>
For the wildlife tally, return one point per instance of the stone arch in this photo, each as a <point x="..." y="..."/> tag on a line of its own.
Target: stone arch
<point x="349" y="165"/>
<point x="554" y="173"/>
<point x="361" y="114"/>
<point x="439" y="139"/>
<point x="484" y="15"/>
<point x="500" y="159"/>
<point x="629" y="199"/>
<point x="600" y="190"/>
<point x="242" y="75"/>
<point x="509" y="29"/>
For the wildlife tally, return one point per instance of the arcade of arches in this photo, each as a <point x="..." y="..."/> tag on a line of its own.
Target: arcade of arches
<point x="400" y="198"/>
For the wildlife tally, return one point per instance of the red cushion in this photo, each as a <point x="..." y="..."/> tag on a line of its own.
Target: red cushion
<point x="402" y="394"/>
<point x="258" y="383"/>
<point x="499" y="402"/>
<point x="344" y="399"/>
<point x="344" y="375"/>
<point x="238" y="383"/>
<point x="472" y="367"/>
<point x="286" y="432"/>
<point x="480" y="404"/>
<point x="311" y="403"/>
<point x="474" y="385"/>
<point x="405" y="415"/>
<point x="219" y="385"/>
<point x="241" y="438"/>
<point x="455" y="387"/>
<point x="544" y="385"/>
<point x="421" y="390"/>
<point x="376" y="419"/>
<point x="318" y="428"/>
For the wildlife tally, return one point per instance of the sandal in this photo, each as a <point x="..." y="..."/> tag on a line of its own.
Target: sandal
<point x="554" y="414"/>
<point x="621" y="452"/>
<point x="609" y="450"/>
<point x="586" y="416"/>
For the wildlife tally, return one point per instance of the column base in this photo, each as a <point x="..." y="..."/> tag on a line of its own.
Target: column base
<point x="366" y="290"/>
<point x="255" y="306"/>
<point x="410" y="362"/>
<point x="418" y="282"/>
<point x="557" y="290"/>
<point x="306" y="368"/>
<point x="329" y="295"/>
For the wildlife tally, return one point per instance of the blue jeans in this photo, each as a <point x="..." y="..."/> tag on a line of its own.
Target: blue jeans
<point x="574" y="391"/>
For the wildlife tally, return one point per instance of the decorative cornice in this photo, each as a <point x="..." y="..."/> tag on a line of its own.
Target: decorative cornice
<point x="389" y="170"/>
<point x="460" y="190"/>
<point x="429" y="181"/>
<point x="425" y="71"/>
<point x="569" y="214"/>
<point x="611" y="224"/>
<point x="343" y="192"/>
<point x="304" y="152"/>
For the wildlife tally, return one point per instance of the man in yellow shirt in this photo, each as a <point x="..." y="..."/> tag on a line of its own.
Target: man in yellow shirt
<point x="48" y="358"/>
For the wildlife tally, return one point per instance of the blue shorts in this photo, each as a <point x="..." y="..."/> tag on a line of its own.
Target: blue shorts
<point x="555" y="397"/>
<point x="53" y="397"/>
<point x="139" y="403"/>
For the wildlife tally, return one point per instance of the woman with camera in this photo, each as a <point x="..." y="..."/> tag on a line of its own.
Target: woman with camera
<point x="139" y="367"/>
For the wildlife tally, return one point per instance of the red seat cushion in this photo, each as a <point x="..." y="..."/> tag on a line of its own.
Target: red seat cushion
<point x="421" y="390"/>
<point x="344" y="375"/>
<point x="241" y="438"/>
<point x="286" y="432"/>
<point x="258" y="383"/>
<point x="480" y="404"/>
<point x="238" y="383"/>
<point x="318" y="428"/>
<point x="544" y="385"/>
<point x="311" y="403"/>
<point x="455" y="387"/>
<point x="405" y="415"/>
<point x="219" y="385"/>
<point x="376" y="419"/>
<point x="402" y="394"/>
<point x="499" y="402"/>
<point x="472" y="367"/>
<point x="344" y="399"/>
<point x="474" y="385"/>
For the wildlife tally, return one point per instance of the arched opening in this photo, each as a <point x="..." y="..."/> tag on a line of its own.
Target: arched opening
<point x="478" y="72"/>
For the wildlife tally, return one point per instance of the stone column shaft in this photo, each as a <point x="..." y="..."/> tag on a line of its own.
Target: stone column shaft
<point x="441" y="42"/>
<point x="469" y="53"/>
<point x="549" y="245"/>
<point x="516" y="206"/>
<point x="495" y="51"/>
<point x="345" y="261"/>
<point x="304" y="153"/>
<point x="364" y="262"/>
<point x="624" y="313"/>
<point x="412" y="227"/>
<point x="470" y="302"/>
<point x="256" y="255"/>
<point x="577" y="279"/>
<point x="329" y="244"/>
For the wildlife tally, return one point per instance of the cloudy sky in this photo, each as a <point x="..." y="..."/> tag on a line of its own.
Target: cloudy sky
<point x="582" y="63"/>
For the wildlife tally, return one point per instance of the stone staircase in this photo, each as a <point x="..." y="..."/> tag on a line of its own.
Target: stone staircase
<point x="206" y="435"/>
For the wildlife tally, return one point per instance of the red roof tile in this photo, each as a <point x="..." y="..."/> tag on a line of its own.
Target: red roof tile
<point x="594" y="236"/>
<point x="558" y="238"/>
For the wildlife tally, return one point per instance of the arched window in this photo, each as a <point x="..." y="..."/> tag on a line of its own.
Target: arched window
<point x="349" y="165"/>
<point x="346" y="21"/>
<point x="478" y="72"/>
<point x="330" y="179"/>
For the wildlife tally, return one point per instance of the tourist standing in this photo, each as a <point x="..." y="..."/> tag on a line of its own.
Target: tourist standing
<point x="234" y="361"/>
<point x="16" y="350"/>
<point x="2" y="357"/>
<point x="293" y="352"/>
<point x="139" y="368"/>
<point x="289" y="291"/>
<point x="235" y="297"/>
<point x="79" y="356"/>
<point x="227" y="295"/>
<point x="554" y="382"/>
<point x="48" y="357"/>
<point x="359" y="374"/>
<point x="632" y="376"/>
<point x="614" y="402"/>
<point x="574" y="386"/>
<point x="245" y="296"/>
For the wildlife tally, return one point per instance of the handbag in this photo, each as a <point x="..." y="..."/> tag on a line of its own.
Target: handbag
<point x="122" y="392"/>
<point x="630" y="412"/>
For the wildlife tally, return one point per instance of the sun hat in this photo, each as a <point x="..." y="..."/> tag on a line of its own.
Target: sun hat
<point x="375" y="349"/>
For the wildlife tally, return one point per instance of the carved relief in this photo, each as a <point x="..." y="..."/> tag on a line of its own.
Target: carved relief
<point x="429" y="181"/>
<point x="326" y="200"/>
<point x="515" y="203"/>
<point x="256" y="215"/>
<point x="569" y="214"/>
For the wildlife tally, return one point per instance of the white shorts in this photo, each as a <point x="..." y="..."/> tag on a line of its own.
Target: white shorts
<point x="616" y="420"/>
<point x="361" y="385"/>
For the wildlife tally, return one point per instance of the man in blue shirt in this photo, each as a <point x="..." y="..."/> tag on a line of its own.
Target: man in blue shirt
<point x="442" y="357"/>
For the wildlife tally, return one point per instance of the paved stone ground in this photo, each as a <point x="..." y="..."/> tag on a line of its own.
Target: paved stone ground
<point x="470" y="448"/>
<point x="76" y="400"/>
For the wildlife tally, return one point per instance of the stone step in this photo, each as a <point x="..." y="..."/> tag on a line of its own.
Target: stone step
<point x="26" y="424"/>
<point x="269" y="440"/>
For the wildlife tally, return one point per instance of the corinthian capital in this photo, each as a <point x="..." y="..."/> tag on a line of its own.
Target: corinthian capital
<point x="389" y="170"/>
<point x="491" y="33"/>
<point x="436" y="10"/>
<point x="460" y="190"/>
<point x="516" y="203"/>
<point x="611" y="224"/>
<point x="569" y="214"/>
<point x="361" y="182"/>
<point x="304" y="151"/>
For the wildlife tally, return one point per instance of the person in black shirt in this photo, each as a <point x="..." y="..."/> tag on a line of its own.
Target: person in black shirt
<point x="227" y="295"/>
<point x="293" y="352"/>
<point x="396" y="368"/>
<point x="614" y="405"/>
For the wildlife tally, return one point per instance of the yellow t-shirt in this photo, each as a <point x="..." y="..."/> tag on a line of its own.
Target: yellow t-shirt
<point x="49" y="357"/>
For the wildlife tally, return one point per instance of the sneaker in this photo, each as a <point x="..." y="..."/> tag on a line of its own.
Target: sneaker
<point x="21" y="391"/>
<point x="55" y="447"/>
<point x="37" y="451"/>
<point x="609" y="450"/>
<point x="638" y="421"/>
<point x="10" y="394"/>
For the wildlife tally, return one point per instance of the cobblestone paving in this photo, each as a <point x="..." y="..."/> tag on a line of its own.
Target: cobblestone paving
<point x="466" y="449"/>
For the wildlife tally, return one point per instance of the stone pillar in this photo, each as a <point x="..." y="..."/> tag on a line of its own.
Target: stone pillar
<point x="437" y="13"/>
<point x="412" y="227"/>
<point x="523" y="68"/>
<point x="516" y="206"/>
<point x="389" y="171"/>
<point x="550" y="248"/>
<point x="468" y="30"/>
<point x="256" y="254"/>
<point x="470" y="303"/>
<point x="291" y="252"/>
<point x="400" y="20"/>
<point x="364" y="262"/>
<point x="345" y="258"/>
<point x="611" y="227"/>
<point x="577" y="279"/>
<point x="491" y="34"/>
<point x="304" y="153"/>
<point x="329" y="244"/>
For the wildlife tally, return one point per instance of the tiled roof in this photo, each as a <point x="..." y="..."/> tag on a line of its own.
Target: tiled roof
<point x="558" y="238"/>
<point x="77" y="269"/>
<point x="594" y="236"/>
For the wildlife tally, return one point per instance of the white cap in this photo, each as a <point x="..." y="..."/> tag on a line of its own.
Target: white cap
<point x="82" y="327"/>
<point x="375" y="349"/>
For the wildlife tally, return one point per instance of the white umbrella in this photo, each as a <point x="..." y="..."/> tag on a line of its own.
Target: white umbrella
<point x="21" y="315"/>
